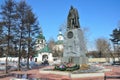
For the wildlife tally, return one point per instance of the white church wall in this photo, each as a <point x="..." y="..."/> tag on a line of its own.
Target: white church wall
<point x="40" y="56"/>
<point x="50" y="57"/>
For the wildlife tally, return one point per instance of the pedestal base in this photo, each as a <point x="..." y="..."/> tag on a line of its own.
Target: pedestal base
<point x="75" y="60"/>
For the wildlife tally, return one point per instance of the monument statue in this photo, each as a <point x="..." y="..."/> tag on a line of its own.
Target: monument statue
<point x="74" y="45"/>
<point x="73" y="19"/>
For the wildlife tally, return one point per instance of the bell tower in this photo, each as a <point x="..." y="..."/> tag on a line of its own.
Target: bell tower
<point x="40" y="42"/>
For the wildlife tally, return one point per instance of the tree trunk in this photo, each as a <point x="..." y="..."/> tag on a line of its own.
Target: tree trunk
<point x="19" y="52"/>
<point x="28" y="47"/>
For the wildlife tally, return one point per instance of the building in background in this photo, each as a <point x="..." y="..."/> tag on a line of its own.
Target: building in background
<point x="42" y="49"/>
<point x="40" y="42"/>
<point x="59" y="44"/>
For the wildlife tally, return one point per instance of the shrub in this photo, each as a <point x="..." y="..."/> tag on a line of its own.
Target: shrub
<point x="61" y="67"/>
<point x="67" y="68"/>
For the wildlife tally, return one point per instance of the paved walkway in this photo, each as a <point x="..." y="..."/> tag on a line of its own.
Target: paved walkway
<point x="35" y="73"/>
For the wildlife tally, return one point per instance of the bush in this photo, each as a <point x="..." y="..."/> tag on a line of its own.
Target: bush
<point x="61" y="67"/>
<point x="66" y="68"/>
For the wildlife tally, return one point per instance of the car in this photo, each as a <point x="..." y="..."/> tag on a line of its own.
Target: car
<point x="116" y="63"/>
<point x="2" y="63"/>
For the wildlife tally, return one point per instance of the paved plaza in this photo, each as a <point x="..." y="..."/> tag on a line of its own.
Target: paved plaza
<point x="35" y="73"/>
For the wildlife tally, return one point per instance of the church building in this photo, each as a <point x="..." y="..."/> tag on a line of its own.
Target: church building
<point x="44" y="52"/>
<point x="59" y="43"/>
<point x="42" y="49"/>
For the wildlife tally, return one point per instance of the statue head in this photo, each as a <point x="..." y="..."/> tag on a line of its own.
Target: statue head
<point x="71" y="7"/>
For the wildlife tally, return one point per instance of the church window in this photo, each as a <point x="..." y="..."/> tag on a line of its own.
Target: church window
<point x="60" y="38"/>
<point x="38" y="41"/>
<point x="41" y="41"/>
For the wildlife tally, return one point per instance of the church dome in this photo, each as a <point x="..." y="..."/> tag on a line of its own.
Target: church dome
<point x="59" y="42"/>
<point x="60" y="36"/>
<point x="45" y="49"/>
<point x="40" y="36"/>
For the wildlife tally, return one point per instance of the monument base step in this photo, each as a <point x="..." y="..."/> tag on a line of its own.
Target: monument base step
<point x="71" y="75"/>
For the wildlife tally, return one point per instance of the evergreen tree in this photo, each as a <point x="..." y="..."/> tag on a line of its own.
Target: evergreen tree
<point x="32" y="30"/>
<point x="28" y="28"/>
<point x="8" y="13"/>
<point x="18" y="28"/>
<point x="21" y="12"/>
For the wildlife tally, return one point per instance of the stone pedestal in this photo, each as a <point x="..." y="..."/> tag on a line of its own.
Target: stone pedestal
<point x="74" y="47"/>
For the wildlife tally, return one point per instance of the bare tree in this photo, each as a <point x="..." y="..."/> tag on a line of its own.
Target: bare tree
<point x="57" y="52"/>
<point x="63" y="27"/>
<point x="103" y="47"/>
<point x="51" y="44"/>
<point x="85" y="31"/>
<point x="93" y="54"/>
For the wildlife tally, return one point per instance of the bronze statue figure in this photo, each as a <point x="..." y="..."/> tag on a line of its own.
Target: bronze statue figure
<point x="73" y="19"/>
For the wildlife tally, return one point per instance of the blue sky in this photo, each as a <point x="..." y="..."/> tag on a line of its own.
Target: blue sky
<point x="99" y="16"/>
